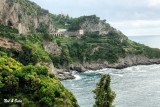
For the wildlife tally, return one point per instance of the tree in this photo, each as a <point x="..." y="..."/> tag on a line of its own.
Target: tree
<point x="104" y="95"/>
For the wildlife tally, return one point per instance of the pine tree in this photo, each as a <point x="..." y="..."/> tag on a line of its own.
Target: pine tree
<point x="104" y="95"/>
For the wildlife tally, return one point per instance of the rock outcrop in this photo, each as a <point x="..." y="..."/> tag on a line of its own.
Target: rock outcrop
<point x="8" y="43"/>
<point x="61" y="74"/>
<point x="25" y="16"/>
<point x="93" y="23"/>
<point x="52" y="47"/>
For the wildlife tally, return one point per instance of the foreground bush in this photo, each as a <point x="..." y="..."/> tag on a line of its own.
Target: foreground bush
<point x="34" y="86"/>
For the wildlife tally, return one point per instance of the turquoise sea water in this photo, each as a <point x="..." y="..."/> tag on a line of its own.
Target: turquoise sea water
<point x="137" y="86"/>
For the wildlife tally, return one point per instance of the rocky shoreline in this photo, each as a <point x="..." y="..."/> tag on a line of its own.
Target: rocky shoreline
<point x="131" y="60"/>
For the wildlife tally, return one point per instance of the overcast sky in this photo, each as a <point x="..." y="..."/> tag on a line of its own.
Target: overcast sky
<point x="132" y="17"/>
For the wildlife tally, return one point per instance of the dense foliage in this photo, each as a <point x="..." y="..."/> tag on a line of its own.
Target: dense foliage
<point x="33" y="85"/>
<point x="104" y="95"/>
<point x="96" y="47"/>
<point x="75" y="23"/>
<point x="7" y="29"/>
<point x="26" y="56"/>
<point x="93" y="46"/>
<point x="63" y="59"/>
<point x="109" y="47"/>
<point x="33" y="50"/>
<point x="61" y="21"/>
<point x="31" y="8"/>
<point x="90" y="47"/>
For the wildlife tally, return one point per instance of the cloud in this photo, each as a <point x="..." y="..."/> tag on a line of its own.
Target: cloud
<point x="137" y="23"/>
<point x="138" y="27"/>
<point x="154" y="2"/>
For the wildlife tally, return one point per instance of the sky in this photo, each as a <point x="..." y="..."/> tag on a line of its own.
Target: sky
<point x="132" y="17"/>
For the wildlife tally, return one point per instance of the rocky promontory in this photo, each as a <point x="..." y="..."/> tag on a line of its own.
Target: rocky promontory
<point x="128" y="61"/>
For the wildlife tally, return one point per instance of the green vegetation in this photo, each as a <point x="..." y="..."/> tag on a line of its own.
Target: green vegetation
<point x="90" y="47"/>
<point x="32" y="8"/>
<point x="33" y="50"/>
<point x="104" y="95"/>
<point x="108" y="47"/>
<point x="26" y="56"/>
<point x="60" y="21"/>
<point x="7" y="28"/>
<point x="33" y="85"/>
<point x="21" y="79"/>
<point x="93" y="46"/>
<point x="43" y="28"/>
<point x="75" y="23"/>
<point x="63" y="59"/>
<point x="140" y="49"/>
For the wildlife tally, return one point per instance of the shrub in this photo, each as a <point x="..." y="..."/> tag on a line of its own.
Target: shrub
<point x="104" y="96"/>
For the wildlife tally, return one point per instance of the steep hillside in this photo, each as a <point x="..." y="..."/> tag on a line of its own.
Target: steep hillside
<point x="99" y="47"/>
<point x="25" y="16"/>
<point x="36" y="49"/>
<point x="103" y="46"/>
<point x="112" y="50"/>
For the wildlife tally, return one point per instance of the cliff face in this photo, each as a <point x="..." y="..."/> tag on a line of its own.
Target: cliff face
<point x="24" y="16"/>
<point x="90" y="25"/>
<point x="52" y="47"/>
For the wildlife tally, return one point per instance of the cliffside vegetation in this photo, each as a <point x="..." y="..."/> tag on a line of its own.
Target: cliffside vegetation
<point x="7" y="28"/>
<point x="90" y="47"/>
<point x="32" y="85"/>
<point x="75" y="24"/>
<point x="108" y="47"/>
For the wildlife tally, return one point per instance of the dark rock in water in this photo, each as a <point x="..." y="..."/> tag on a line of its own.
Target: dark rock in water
<point x="62" y="74"/>
<point x="77" y="67"/>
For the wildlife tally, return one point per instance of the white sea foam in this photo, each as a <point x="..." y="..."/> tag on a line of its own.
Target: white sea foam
<point x="155" y="66"/>
<point x="120" y="75"/>
<point x="72" y="85"/>
<point x="89" y="71"/>
<point x="142" y="71"/>
<point x="77" y="77"/>
<point x="97" y="71"/>
<point x="78" y="88"/>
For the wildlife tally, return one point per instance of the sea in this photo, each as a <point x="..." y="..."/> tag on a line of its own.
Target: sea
<point x="137" y="86"/>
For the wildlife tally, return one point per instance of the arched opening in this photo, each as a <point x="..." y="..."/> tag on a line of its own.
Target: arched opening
<point x="10" y="23"/>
